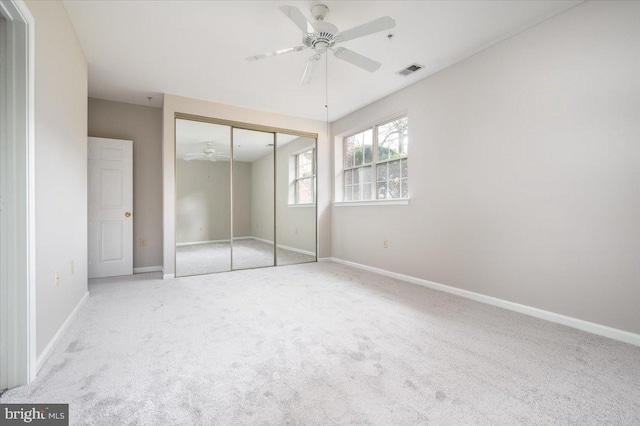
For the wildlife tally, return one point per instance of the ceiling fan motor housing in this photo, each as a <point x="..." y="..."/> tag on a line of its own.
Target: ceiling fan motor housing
<point x="323" y="38"/>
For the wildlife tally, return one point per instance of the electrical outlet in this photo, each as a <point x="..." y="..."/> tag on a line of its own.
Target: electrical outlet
<point x="56" y="278"/>
<point x="385" y="243"/>
<point x="72" y="269"/>
<point x="143" y="242"/>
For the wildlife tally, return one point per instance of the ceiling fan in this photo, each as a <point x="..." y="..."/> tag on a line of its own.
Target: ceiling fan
<point x="321" y="35"/>
<point x="208" y="153"/>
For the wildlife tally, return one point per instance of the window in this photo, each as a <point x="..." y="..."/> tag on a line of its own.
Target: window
<point x="304" y="183"/>
<point x="375" y="162"/>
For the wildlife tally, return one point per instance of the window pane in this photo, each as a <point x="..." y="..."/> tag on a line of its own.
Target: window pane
<point x="368" y="146"/>
<point x="393" y="139"/>
<point x="356" y="193"/>
<point x="349" y="152"/>
<point x="305" y="190"/>
<point x="358" y="144"/>
<point x="366" y="174"/>
<point x="383" y="149"/>
<point x="347" y="177"/>
<point x="356" y="177"/>
<point x="382" y="172"/>
<point x="394" y="170"/>
<point x="382" y="190"/>
<point x="366" y="191"/>
<point x="305" y="164"/>
<point x="404" y="140"/>
<point x="393" y="188"/>
<point x="405" y="188"/>
<point x="405" y="168"/>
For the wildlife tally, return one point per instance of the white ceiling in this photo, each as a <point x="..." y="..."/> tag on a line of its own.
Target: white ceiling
<point x="197" y="49"/>
<point x="248" y="145"/>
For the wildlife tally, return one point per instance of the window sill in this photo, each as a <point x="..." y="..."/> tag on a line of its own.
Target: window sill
<point x="302" y="205"/>
<point x="396" y="202"/>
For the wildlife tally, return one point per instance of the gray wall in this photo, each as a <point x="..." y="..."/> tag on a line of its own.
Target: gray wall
<point x="524" y="174"/>
<point x="242" y="180"/>
<point x="203" y="211"/>
<point x="262" y="203"/>
<point x="60" y="169"/>
<point x="142" y="125"/>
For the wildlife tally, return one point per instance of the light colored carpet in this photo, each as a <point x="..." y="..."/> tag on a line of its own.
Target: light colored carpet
<point x="197" y="259"/>
<point x="323" y="343"/>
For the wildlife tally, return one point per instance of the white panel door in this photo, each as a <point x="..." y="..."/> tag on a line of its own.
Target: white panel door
<point x="110" y="207"/>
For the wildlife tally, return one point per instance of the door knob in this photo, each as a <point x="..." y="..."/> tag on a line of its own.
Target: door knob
<point x="128" y="214"/>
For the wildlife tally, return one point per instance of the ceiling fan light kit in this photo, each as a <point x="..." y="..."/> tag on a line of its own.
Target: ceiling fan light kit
<point x="321" y="36"/>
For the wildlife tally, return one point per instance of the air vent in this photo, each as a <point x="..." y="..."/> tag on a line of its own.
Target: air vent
<point x="410" y="69"/>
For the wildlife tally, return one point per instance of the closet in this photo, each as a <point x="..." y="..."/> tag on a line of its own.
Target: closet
<point x="245" y="196"/>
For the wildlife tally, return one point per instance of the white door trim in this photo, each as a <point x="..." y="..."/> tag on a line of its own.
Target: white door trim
<point x="19" y="307"/>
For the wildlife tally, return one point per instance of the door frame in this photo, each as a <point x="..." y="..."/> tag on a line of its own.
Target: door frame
<point x="17" y="309"/>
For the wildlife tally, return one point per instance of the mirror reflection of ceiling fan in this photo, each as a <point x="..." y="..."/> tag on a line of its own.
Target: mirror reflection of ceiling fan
<point x="321" y="36"/>
<point x="208" y="154"/>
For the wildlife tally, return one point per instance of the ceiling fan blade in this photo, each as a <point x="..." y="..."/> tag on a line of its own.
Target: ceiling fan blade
<point x="312" y="63"/>
<point x="357" y="59"/>
<point x="298" y="18"/>
<point x="193" y="156"/>
<point x="374" y="26"/>
<point x="276" y="52"/>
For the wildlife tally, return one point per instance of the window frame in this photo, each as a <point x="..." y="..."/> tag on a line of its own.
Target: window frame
<point x="374" y="164"/>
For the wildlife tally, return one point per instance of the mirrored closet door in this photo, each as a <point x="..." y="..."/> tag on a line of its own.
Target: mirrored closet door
<point x="203" y="198"/>
<point x="253" y="199"/>
<point x="296" y="199"/>
<point x="245" y="197"/>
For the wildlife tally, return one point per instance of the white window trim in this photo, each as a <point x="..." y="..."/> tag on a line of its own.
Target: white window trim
<point x="375" y="161"/>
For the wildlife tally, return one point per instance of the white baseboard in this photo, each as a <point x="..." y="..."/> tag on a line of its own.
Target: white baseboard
<point x="195" y="243"/>
<point x="280" y="246"/>
<point x="168" y="276"/>
<point x="145" y="269"/>
<point x="296" y="250"/>
<point x="262" y="240"/>
<point x="46" y="353"/>
<point x="591" y="327"/>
